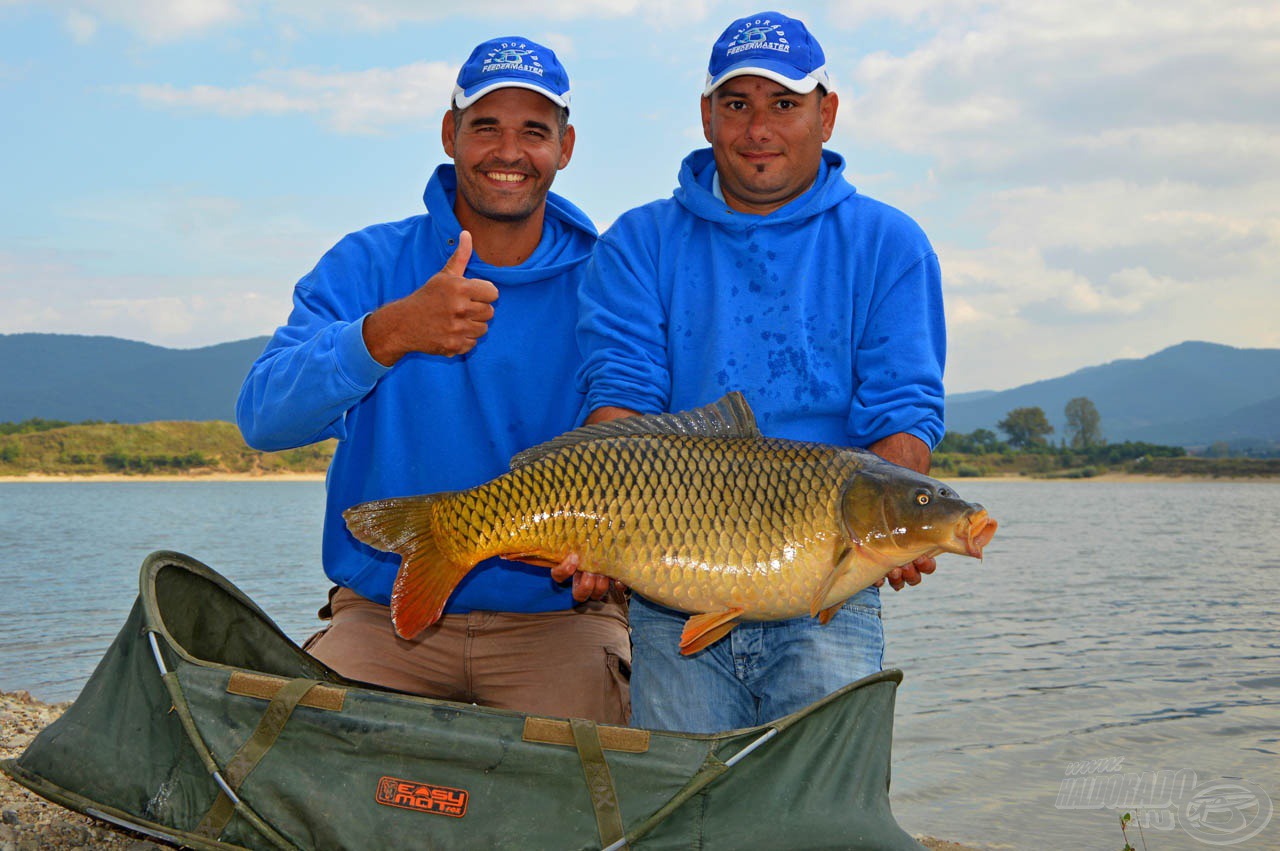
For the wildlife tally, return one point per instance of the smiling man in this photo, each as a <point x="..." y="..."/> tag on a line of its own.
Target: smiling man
<point x="768" y="273"/>
<point x="434" y="349"/>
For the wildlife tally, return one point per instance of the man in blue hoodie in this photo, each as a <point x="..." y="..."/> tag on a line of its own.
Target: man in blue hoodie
<point x="766" y="272"/>
<point x="434" y="349"/>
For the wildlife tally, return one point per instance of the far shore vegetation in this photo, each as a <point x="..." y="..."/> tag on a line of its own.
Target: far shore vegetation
<point x="50" y="447"/>
<point x="56" y="448"/>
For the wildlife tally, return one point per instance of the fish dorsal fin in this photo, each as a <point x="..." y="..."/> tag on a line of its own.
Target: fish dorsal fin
<point x="729" y="416"/>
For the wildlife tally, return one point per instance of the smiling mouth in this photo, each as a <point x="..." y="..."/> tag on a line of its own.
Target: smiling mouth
<point x="506" y="176"/>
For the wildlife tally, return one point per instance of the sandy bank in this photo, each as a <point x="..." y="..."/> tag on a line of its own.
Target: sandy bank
<point x="168" y="477"/>
<point x="1130" y="478"/>
<point x="29" y="821"/>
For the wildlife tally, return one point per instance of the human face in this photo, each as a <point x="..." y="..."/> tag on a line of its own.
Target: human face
<point x="506" y="148"/>
<point x="767" y="140"/>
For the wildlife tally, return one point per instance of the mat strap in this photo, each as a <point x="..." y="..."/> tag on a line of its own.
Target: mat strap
<point x="252" y="751"/>
<point x="604" y="798"/>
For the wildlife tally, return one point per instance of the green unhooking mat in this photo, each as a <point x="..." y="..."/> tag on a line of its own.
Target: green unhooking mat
<point x="205" y="726"/>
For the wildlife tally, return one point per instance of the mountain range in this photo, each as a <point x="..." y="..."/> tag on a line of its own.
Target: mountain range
<point x="1192" y="394"/>
<point x="75" y="378"/>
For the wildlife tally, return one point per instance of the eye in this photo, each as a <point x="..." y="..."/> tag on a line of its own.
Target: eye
<point x="922" y="497"/>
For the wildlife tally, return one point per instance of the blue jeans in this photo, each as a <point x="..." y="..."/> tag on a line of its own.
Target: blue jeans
<point x="759" y="672"/>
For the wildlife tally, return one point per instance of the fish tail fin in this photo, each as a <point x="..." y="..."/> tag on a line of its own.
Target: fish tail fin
<point x="427" y="577"/>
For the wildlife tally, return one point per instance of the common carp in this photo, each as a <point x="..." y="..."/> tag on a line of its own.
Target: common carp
<point x="697" y="511"/>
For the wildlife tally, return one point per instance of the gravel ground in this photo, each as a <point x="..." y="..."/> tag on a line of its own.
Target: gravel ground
<point x="30" y="823"/>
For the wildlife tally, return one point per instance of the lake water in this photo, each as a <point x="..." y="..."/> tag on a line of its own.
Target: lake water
<point x="1118" y="651"/>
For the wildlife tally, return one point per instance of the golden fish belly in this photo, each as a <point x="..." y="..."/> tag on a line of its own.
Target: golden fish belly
<point x="691" y="523"/>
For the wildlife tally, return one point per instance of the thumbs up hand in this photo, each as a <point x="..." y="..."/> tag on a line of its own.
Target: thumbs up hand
<point x="445" y="316"/>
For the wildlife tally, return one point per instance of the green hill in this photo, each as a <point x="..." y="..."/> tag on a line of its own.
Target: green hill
<point x="148" y="448"/>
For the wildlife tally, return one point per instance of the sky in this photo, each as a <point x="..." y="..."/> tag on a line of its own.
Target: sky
<point x="1100" y="179"/>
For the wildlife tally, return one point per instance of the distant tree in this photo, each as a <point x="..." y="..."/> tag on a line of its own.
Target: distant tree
<point x="980" y="442"/>
<point x="1084" y="424"/>
<point x="1026" y="427"/>
<point x="985" y="440"/>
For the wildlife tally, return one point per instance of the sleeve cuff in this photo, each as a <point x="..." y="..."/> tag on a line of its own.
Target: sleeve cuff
<point x="354" y="360"/>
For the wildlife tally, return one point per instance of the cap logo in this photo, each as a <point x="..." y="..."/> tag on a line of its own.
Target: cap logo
<point x="759" y="34"/>
<point x="512" y="57"/>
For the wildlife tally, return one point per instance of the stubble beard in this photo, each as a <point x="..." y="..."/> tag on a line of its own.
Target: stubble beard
<point x="501" y="210"/>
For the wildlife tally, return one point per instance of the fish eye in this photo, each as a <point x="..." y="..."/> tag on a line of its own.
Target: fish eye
<point x="922" y="497"/>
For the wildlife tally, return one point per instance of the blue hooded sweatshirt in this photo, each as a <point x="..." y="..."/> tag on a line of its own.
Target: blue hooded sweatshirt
<point x="430" y="423"/>
<point x="826" y="313"/>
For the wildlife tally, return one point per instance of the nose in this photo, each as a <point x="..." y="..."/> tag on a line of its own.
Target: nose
<point x="509" y="147"/>
<point x="758" y="126"/>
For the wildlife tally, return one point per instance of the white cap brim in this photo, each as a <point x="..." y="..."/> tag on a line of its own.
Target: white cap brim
<point x="464" y="100"/>
<point x="801" y="87"/>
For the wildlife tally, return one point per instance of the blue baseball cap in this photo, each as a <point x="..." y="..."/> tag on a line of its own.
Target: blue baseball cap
<point x="511" y="62"/>
<point x="772" y="45"/>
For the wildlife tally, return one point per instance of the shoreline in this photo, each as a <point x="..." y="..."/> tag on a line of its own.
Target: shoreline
<point x="164" y="477"/>
<point x="32" y="822"/>
<point x="1128" y="478"/>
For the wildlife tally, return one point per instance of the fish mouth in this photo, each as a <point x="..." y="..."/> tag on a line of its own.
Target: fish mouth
<point x="979" y="531"/>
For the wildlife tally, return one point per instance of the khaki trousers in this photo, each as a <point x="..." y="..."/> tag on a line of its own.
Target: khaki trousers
<point x="569" y="664"/>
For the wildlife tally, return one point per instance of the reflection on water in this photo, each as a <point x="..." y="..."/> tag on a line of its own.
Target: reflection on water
<point x="1114" y="630"/>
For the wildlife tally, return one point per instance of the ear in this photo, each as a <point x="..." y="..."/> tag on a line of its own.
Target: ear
<point x="706" y="115"/>
<point x="566" y="145"/>
<point x="830" y="103"/>
<point x="447" y="133"/>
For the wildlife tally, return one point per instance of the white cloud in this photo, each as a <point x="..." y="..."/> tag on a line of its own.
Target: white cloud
<point x="192" y="310"/>
<point x="161" y="21"/>
<point x="561" y="43"/>
<point x="350" y="102"/>
<point x="82" y="27"/>
<point x="1005" y="90"/>
<point x="155" y="20"/>
<point x="384" y="14"/>
<point x="1115" y="165"/>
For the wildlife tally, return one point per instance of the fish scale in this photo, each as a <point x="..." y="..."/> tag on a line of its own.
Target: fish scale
<point x="686" y="521"/>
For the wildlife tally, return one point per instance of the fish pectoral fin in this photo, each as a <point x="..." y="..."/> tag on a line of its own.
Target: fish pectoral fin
<point x="825" y="616"/>
<point x="703" y="630"/>
<point x="843" y="563"/>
